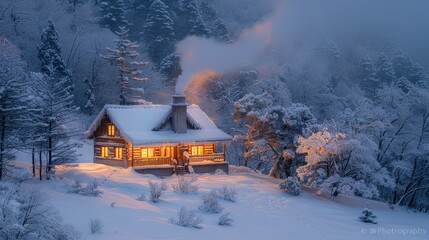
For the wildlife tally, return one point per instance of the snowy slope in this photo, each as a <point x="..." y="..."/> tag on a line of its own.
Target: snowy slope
<point x="261" y="212"/>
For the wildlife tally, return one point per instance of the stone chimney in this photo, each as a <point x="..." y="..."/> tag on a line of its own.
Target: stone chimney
<point x="179" y="115"/>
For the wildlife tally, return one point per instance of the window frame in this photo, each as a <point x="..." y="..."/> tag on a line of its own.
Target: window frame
<point x="111" y="130"/>
<point x="118" y="152"/>
<point x="104" y="152"/>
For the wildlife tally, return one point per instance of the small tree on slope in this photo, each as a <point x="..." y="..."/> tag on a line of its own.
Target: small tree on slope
<point x="368" y="216"/>
<point x="56" y="128"/>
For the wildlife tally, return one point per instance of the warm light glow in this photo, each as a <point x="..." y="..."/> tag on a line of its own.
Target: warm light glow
<point x="197" y="150"/>
<point x="198" y="82"/>
<point x="104" y="152"/>
<point x="147" y="152"/>
<point x="118" y="152"/>
<point x="110" y="130"/>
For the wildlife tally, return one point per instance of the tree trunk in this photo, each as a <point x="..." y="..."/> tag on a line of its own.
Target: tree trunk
<point x="2" y="161"/>
<point x="40" y="165"/>
<point x="48" y="167"/>
<point x="33" y="162"/>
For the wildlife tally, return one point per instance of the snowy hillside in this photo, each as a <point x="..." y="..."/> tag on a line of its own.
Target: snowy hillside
<point x="260" y="212"/>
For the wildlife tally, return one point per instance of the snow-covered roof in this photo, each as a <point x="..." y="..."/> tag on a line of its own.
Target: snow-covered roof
<point x="142" y="125"/>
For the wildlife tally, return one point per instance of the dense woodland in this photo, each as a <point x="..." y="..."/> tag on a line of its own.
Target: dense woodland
<point x="346" y="115"/>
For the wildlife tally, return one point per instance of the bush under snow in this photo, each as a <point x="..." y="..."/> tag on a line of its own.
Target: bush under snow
<point x="186" y="184"/>
<point x="225" y="220"/>
<point x="95" y="225"/>
<point x="27" y="215"/>
<point x="89" y="189"/>
<point x="210" y="204"/>
<point x="291" y="185"/>
<point x="227" y="193"/>
<point x="156" y="190"/>
<point x="187" y="218"/>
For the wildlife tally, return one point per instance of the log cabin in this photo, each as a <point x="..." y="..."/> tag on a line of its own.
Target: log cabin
<point x="159" y="139"/>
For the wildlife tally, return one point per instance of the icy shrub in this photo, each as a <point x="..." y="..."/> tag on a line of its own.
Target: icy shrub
<point x="28" y="215"/>
<point x="368" y="216"/>
<point x="239" y="169"/>
<point x="142" y="197"/>
<point x="186" y="184"/>
<point x="95" y="225"/>
<point x="187" y="218"/>
<point x="228" y="193"/>
<point x="210" y="203"/>
<point x="335" y="185"/>
<point x="113" y="204"/>
<point x="291" y="185"/>
<point x="225" y="220"/>
<point x="20" y="175"/>
<point x="156" y="190"/>
<point x="91" y="189"/>
<point x="76" y="187"/>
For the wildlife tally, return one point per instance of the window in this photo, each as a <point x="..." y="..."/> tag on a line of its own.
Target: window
<point x="168" y="152"/>
<point x="111" y="130"/>
<point x="118" y="152"/>
<point x="147" y="152"/>
<point x="104" y="152"/>
<point x="197" y="150"/>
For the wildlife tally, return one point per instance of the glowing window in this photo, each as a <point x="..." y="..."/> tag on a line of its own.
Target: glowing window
<point x="168" y="151"/>
<point x="147" y="152"/>
<point x="197" y="150"/>
<point x="110" y="130"/>
<point x="104" y="152"/>
<point x="118" y="152"/>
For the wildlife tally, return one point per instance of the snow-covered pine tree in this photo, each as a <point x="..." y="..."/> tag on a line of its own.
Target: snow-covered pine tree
<point x="56" y="121"/>
<point x="384" y="69"/>
<point x="140" y="9"/>
<point x="170" y="67"/>
<point x="220" y="32"/>
<point x="113" y="14"/>
<point x="367" y="77"/>
<point x="51" y="58"/>
<point x="418" y="75"/>
<point x="123" y="57"/>
<point x="13" y="108"/>
<point x="208" y="13"/>
<point x="159" y="32"/>
<point x="90" y="97"/>
<point x="367" y="216"/>
<point x="402" y="64"/>
<point x="192" y="22"/>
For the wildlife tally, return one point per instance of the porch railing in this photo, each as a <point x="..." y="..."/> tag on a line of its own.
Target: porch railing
<point x="215" y="157"/>
<point x="153" y="161"/>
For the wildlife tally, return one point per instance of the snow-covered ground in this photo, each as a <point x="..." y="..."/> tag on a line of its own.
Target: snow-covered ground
<point x="262" y="211"/>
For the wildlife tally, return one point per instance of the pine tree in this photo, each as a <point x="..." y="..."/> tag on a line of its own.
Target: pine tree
<point x="384" y="69"/>
<point x="51" y="58"/>
<point x="13" y="108"/>
<point x="140" y="11"/>
<point x="123" y="57"/>
<point x="55" y="122"/>
<point x="402" y="64"/>
<point x="90" y="97"/>
<point x="418" y="75"/>
<point x="113" y="14"/>
<point x="367" y="74"/>
<point x="159" y="32"/>
<point x="220" y="32"/>
<point x="191" y="22"/>
<point x="170" y="67"/>
<point x="368" y="216"/>
<point x="208" y="13"/>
